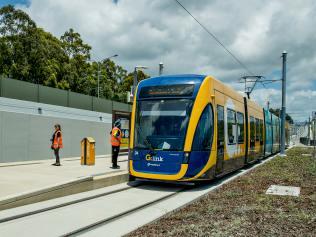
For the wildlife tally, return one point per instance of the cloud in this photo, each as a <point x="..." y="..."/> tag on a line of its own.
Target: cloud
<point x="147" y="32"/>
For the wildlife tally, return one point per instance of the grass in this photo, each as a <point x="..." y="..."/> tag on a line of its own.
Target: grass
<point x="241" y="207"/>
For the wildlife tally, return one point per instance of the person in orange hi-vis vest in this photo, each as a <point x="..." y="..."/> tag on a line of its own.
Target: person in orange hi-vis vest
<point x="116" y="137"/>
<point x="57" y="143"/>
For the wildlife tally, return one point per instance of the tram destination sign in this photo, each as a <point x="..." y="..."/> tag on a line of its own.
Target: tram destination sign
<point x="167" y="91"/>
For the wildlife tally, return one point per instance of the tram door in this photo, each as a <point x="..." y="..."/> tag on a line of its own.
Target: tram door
<point x="220" y="139"/>
<point x="252" y="150"/>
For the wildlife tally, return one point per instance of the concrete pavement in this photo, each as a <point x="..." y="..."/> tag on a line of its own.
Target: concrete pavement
<point x="23" y="178"/>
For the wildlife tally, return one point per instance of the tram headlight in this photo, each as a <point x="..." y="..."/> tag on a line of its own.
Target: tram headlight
<point x="186" y="157"/>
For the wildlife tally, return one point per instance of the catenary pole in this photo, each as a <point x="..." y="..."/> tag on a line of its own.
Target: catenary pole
<point x="135" y="77"/>
<point x="314" y="140"/>
<point x="98" y="79"/>
<point x="309" y="131"/>
<point x="135" y="80"/>
<point x="284" y="54"/>
<point x="160" y="68"/>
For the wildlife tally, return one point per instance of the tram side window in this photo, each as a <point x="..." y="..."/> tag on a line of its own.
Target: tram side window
<point x="231" y="126"/>
<point x="261" y="131"/>
<point x="257" y="130"/>
<point x="278" y="130"/>
<point x="203" y="136"/>
<point x="220" y="125"/>
<point x="275" y="134"/>
<point x="252" y="129"/>
<point x="240" y="127"/>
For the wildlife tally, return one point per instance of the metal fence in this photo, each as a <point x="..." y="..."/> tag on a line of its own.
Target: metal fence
<point x="21" y="90"/>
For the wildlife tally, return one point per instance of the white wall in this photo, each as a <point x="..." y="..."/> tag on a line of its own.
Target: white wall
<point x="25" y="134"/>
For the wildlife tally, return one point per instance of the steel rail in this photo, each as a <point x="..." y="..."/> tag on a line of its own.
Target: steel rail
<point x="105" y="221"/>
<point x="53" y="207"/>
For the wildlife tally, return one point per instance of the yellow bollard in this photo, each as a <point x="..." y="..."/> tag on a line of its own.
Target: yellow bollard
<point x="88" y="151"/>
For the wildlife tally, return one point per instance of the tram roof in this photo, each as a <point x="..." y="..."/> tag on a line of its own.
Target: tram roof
<point x="195" y="79"/>
<point x="179" y="79"/>
<point x="173" y="79"/>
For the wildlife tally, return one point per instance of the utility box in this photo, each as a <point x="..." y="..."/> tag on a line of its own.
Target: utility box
<point x="88" y="151"/>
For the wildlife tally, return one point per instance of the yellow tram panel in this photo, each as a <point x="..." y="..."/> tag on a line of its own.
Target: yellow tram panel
<point x="255" y="140"/>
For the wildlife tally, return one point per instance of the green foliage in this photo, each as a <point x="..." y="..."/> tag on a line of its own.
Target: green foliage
<point x="74" y="47"/>
<point x="128" y="82"/>
<point x="14" y="22"/>
<point x="31" y="54"/>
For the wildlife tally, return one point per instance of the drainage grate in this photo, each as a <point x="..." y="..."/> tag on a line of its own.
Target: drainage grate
<point x="283" y="190"/>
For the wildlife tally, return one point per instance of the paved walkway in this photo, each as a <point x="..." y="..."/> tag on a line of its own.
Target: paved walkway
<point x="20" y="177"/>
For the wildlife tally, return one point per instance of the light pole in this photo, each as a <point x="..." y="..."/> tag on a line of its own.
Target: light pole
<point x="135" y="77"/>
<point x="284" y="54"/>
<point x="113" y="56"/>
<point x="160" y="68"/>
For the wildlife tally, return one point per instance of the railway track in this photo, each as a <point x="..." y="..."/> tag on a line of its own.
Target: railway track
<point x="113" y="211"/>
<point x="100" y="223"/>
<point x="63" y="204"/>
<point x="77" y="216"/>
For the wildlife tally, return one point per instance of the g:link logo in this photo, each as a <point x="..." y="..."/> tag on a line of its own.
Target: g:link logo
<point x="149" y="157"/>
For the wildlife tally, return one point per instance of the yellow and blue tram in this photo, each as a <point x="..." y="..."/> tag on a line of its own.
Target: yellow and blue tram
<point x="193" y="127"/>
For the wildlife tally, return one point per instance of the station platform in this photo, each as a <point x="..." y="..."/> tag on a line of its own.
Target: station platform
<point x="33" y="181"/>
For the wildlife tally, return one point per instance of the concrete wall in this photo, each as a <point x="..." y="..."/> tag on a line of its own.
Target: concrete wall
<point x="25" y="132"/>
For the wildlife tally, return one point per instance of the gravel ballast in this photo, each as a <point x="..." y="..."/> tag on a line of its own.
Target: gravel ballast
<point x="242" y="207"/>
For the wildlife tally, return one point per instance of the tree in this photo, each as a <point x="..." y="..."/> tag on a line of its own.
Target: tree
<point x="128" y="82"/>
<point x="112" y="75"/>
<point x="47" y="59"/>
<point x="74" y="46"/>
<point x="14" y="22"/>
<point x="31" y="54"/>
<point x="75" y="69"/>
<point x="16" y="31"/>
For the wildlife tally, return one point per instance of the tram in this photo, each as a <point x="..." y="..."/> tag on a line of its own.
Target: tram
<point x="194" y="127"/>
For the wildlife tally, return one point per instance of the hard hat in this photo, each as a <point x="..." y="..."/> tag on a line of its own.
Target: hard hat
<point x="117" y="123"/>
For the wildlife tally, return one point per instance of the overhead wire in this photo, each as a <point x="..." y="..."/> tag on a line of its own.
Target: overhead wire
<point x="217" y="40"/>
<point x="226" y="49"/>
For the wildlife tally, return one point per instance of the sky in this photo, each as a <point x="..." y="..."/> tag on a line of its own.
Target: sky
<point x="146" y="32"/>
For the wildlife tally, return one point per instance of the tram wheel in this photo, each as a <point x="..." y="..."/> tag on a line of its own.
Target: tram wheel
<point x="131" y="178"/>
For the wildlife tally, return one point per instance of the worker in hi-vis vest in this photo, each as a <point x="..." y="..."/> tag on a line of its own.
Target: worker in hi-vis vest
<point x="116" y="137"/>
<point x="57" y="143"/>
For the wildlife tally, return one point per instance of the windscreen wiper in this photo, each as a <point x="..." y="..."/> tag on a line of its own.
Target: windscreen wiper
<point x="139" y="130"/>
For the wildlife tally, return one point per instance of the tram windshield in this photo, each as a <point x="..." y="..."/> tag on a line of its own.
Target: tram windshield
<point x="162" y="124"/>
